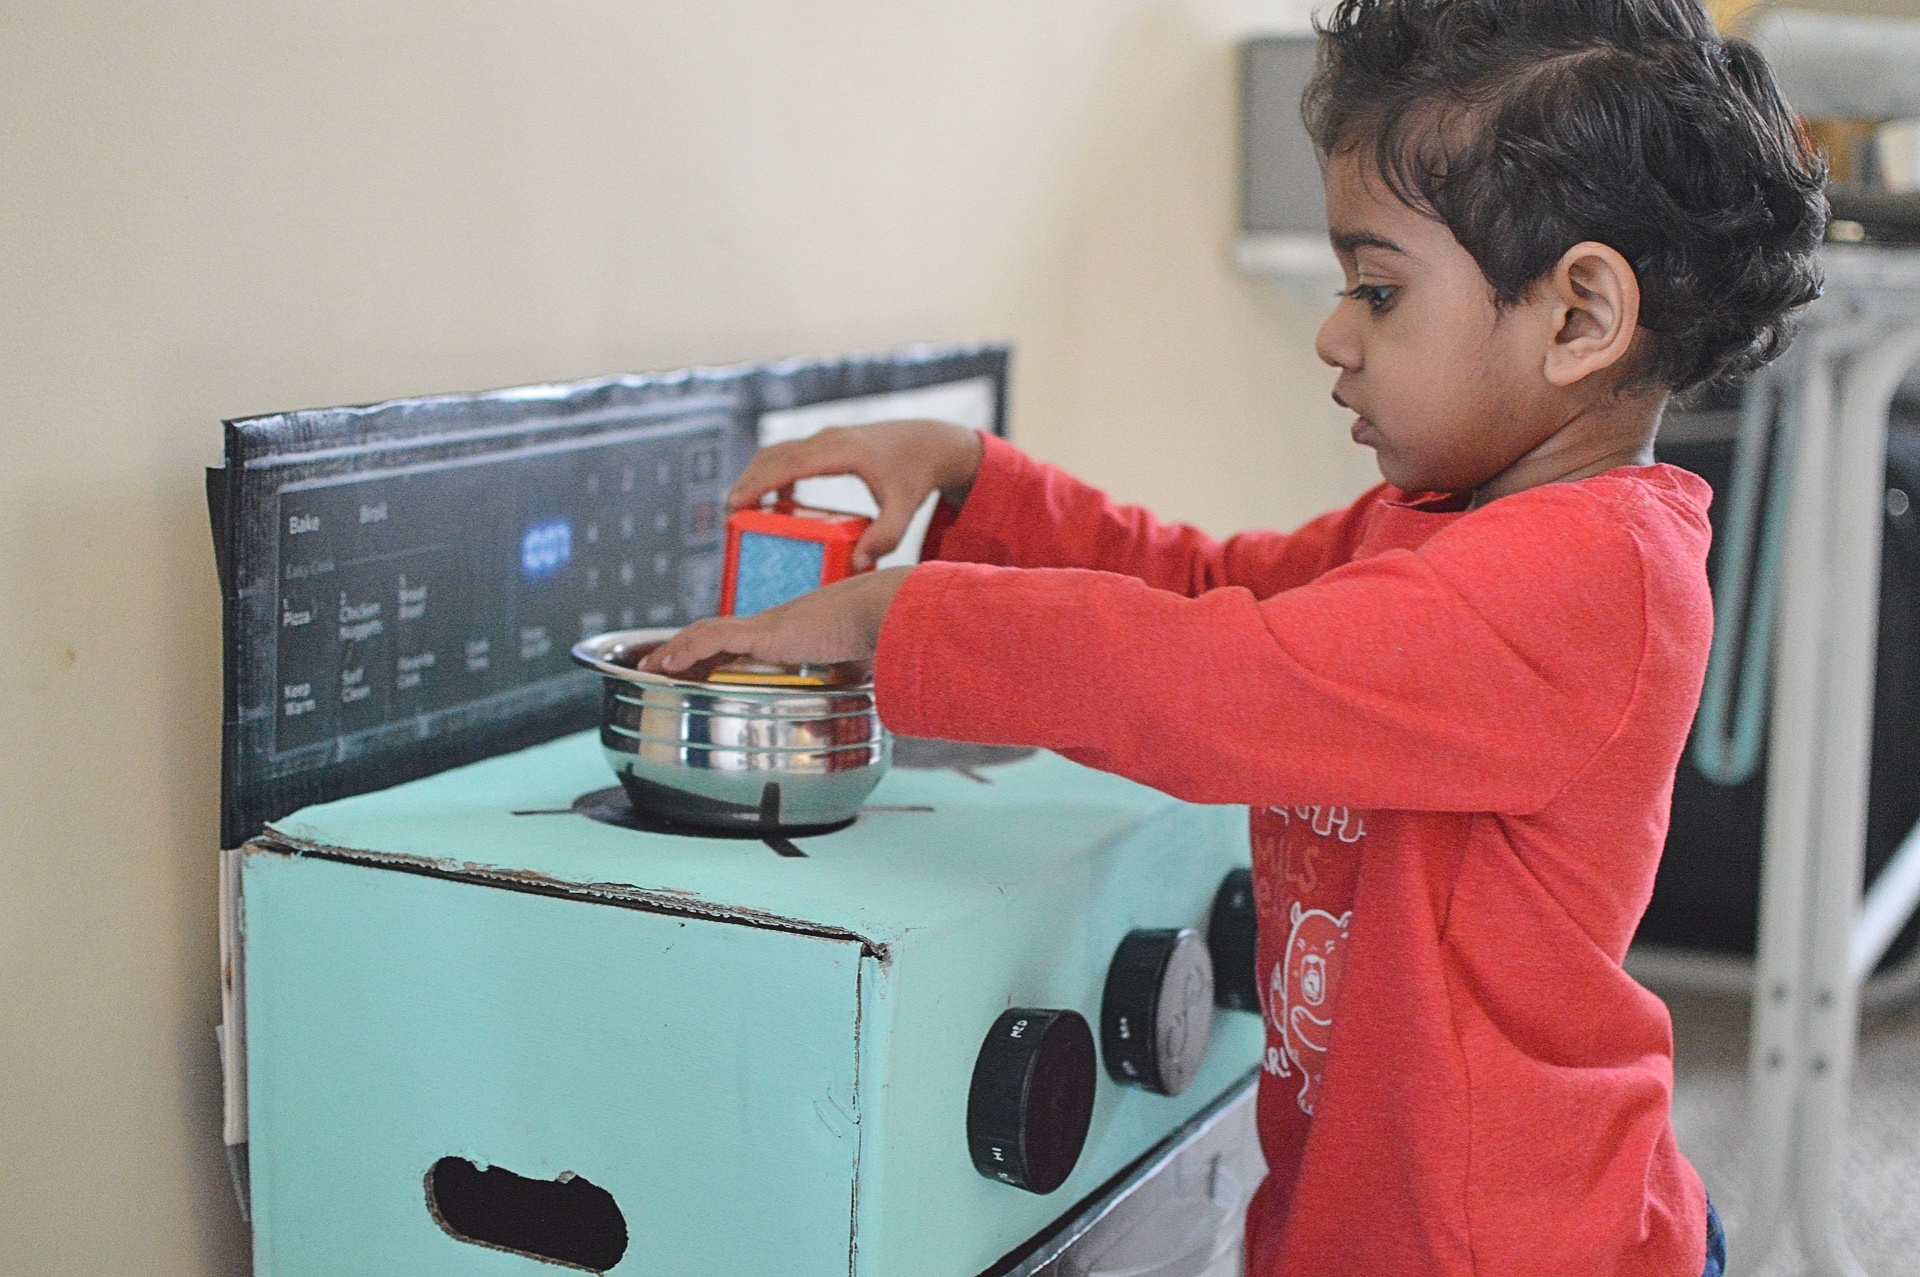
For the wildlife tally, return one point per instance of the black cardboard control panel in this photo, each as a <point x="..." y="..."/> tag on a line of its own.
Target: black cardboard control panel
<point x="409" y="593"/>
<point x="403" y="581"/>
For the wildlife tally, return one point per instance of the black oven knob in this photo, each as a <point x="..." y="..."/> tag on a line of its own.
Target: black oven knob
<point x="1158" y="1010"/>
<point x="1032" y="1098"/>
<point x="1233" y="937"/>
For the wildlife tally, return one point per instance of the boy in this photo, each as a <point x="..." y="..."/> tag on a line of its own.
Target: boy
<point x="1455" y="708"/>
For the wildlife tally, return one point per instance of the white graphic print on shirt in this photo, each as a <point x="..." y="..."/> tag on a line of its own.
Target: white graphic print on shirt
<point x="1303" y="987"/>
<point x="1301" y="997"/>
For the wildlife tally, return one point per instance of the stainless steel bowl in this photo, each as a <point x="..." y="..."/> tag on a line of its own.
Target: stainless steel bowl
<point x="735" y="757"/>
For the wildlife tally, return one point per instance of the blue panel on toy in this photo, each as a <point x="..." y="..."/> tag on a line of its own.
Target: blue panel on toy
<point x="775" y="569"/>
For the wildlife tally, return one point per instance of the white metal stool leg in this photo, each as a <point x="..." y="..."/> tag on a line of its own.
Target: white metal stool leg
<point x="1833" y="1011"/>
<point x="1773" y="1057"/>
<point x="1806" y="1003"/>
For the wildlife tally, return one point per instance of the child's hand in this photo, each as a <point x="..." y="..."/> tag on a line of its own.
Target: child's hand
<point x="900" y="462"/>
<point x="838" y="622"/>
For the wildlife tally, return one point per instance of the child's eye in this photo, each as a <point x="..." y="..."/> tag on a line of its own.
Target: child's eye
<point x="1378" y="297"/>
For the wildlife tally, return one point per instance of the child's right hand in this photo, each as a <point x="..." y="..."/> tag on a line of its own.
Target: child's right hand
<point x="901" y="462"/>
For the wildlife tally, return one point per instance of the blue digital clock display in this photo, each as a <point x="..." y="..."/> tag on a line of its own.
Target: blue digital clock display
<point x="545" y="548"/>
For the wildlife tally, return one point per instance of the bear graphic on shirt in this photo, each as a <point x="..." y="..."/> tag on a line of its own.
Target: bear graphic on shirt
<point x="1301" y="995"/>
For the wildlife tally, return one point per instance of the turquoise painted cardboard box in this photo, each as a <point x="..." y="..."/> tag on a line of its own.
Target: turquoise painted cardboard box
<point x="763" y="1060"/>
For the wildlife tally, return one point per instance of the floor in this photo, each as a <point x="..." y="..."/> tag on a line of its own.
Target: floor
<point x="1882" y="1195"/>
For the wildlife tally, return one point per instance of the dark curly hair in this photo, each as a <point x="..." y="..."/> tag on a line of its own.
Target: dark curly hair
<point x="1529" y="126"/>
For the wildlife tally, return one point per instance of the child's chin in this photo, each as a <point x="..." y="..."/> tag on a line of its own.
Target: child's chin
<point x="1402" y="476"/>
<point x="1409" y="474"/>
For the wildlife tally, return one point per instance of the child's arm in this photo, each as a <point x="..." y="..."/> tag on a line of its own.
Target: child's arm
<point x="1027" y="514"/>
<point x="1480" y="673"/>
<point x="1000" y="506"/>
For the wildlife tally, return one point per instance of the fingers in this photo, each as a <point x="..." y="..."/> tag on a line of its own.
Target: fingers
<point x="778" y="467"/>
<point x="885" y="533"/>
<point x="719" y="636"/>
<point x="838" y="622"/>
<point x="897" y="460"/>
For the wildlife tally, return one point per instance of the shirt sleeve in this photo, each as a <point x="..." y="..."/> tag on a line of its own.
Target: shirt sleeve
<point x="1025" y="514"/>
<point x="1478" y="673"/>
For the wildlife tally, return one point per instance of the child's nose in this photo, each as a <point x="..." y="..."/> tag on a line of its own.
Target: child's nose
<point x="1338" y="342"/>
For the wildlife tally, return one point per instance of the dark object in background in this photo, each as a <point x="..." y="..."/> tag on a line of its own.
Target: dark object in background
<point x="1707" y="895"/>
<point x="1882" y="218"/>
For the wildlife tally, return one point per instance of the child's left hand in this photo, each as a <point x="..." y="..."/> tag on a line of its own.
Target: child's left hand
<point x="838" y="622"/>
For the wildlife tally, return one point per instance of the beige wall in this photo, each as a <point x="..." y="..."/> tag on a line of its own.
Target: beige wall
<point x="1730" y="14"/>
<point x="1880" y="8"/>
<point x="216" y="209"/>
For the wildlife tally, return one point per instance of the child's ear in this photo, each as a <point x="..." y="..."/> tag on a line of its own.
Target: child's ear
<point x="1594" y="298"/>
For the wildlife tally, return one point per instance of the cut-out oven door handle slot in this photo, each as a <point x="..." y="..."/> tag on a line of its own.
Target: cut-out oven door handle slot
<point x="568" y="1221"/>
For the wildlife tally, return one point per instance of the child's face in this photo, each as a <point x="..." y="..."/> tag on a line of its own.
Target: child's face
<point x="1450" y="391"/>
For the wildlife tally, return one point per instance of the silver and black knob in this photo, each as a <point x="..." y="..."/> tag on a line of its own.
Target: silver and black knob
<point x="1031" y="1101"/>
<point x="1233" y="936"/>
<point x="1158" y="1010"/>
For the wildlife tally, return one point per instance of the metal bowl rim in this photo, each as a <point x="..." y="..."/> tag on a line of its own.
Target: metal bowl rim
<point x="592" y="653"/>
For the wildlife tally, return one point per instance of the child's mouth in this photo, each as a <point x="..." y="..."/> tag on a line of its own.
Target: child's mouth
<point x="1363" y="432"/>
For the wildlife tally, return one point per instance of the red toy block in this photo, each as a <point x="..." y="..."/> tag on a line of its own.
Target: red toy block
<point x="779" y="552"/>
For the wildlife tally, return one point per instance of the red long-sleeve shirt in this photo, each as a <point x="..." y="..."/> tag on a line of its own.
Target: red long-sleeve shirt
<point x="1457" y="733"/>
